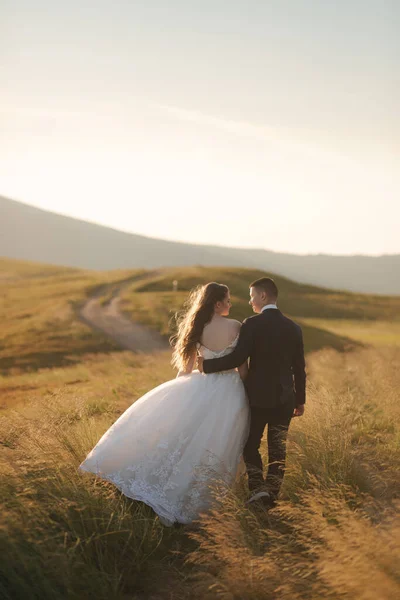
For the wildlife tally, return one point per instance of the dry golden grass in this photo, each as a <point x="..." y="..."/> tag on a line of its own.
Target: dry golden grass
<point x="318" y="549"/>
<point x="38" y="310"/>
<point x="336" y="534"/>
<point x="63" y="534"/>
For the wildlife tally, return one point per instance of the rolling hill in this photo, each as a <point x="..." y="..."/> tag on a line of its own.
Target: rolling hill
<point x="63" y="385"/>
<point x="29" y="233"/>
<point x="41" y="304"/>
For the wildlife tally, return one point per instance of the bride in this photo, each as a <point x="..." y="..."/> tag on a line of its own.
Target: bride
<point x="169" y="446"/>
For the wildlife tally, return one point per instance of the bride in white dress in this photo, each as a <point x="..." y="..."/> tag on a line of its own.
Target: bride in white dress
<point x="169" y="446"/>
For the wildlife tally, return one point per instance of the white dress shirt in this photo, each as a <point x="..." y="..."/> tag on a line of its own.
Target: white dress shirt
<point x="268" y="306"/>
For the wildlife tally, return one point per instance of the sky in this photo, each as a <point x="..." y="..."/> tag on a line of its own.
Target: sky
<point x="257" y="123"/>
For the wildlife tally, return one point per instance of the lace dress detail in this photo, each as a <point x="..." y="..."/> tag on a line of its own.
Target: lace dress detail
<point x="171" y="445"/>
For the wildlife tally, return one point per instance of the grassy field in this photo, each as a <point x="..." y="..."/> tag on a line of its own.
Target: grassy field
<point x="339" y="320"/>
<point x="38" y="315"/>
<point x="295" y="299"/>
<point x="369" y="332"/>
<point x="335" y="533"/>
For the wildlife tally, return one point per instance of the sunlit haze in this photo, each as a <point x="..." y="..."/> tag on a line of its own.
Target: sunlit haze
<point x="250" y="123"/>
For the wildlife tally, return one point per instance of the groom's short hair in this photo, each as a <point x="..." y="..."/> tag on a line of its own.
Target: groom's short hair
<point x="268" y="286"/>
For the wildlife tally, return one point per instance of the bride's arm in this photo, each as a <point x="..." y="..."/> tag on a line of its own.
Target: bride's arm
<point x="190" y="365"/>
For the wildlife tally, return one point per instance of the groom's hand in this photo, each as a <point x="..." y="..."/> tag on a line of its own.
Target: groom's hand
<point x="200" y="364"/>
<point x="299" y="410"/>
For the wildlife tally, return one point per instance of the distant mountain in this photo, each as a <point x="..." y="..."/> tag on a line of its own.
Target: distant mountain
<point x="29" y="233"/>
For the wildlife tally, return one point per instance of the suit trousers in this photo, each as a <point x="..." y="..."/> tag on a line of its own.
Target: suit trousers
<point x="278" y="420"/>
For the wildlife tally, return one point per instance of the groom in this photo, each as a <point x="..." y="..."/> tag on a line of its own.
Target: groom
<point x="275" y="385"/>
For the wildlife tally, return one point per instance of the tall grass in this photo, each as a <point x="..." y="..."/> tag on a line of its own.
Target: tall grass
<point x="334" y="534"/>
<point x="65" y="534"/>
<point x="318" y="548"/>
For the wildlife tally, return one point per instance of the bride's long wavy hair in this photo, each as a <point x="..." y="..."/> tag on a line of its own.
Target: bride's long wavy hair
<point x="197" y="312"/>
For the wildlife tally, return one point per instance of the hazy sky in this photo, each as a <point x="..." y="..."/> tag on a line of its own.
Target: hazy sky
<point x="267" y="123"/>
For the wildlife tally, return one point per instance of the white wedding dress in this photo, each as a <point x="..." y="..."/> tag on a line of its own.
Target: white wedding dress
<point x="169" y="446"/>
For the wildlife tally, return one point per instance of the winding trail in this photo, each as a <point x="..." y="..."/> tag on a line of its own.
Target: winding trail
<point x="107" y="318"/>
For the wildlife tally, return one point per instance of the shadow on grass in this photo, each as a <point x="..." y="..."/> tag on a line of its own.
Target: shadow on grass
<point x="30" y="362"/>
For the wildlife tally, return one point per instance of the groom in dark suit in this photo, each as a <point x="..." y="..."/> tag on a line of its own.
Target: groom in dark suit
<point x="275" y="385"/>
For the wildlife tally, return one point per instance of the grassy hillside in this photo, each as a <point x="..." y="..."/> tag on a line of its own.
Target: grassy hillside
<point x="63" y="534"/>
<point x="38" y="315"/>
<point x="333" y="536"/>
<point x="40" y="302"/>
<point x="153" y="302"/>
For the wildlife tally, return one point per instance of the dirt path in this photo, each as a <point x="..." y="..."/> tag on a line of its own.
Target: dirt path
<point x="108" y="319"/>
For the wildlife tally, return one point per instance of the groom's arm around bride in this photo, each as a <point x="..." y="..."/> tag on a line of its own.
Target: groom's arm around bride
<point x="274" y="345"/>
<point x="272" y="361"/>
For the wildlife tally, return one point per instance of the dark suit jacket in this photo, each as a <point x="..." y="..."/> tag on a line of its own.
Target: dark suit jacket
<point x="274" y="344"/>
